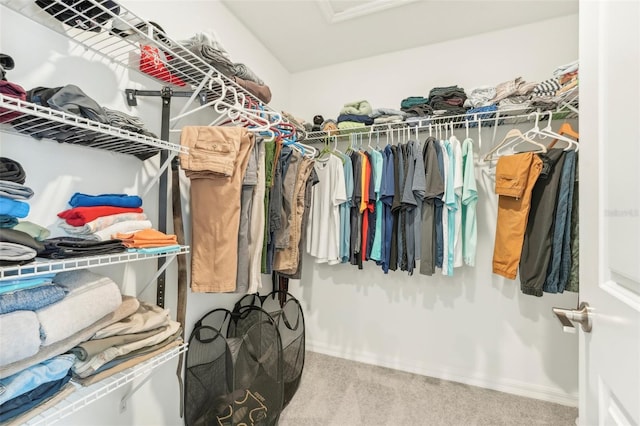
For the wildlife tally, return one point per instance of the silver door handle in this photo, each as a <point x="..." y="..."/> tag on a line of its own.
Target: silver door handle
<point x="568" y="316"/>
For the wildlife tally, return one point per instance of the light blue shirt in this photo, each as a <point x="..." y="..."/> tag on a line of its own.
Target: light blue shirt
<point x="345" y="211"/>
<point x="30" y="378"/>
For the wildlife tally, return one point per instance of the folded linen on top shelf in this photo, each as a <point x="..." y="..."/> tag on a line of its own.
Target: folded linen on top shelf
<point x="261" y="92"/>
<point x="245" y="73"/>
<point x="128" y="306"/>
<point x="357" y="108"/>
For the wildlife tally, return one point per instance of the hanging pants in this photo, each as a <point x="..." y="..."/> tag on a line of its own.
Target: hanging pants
<point x="216" y="163"/>
<point x="515" y="178"/>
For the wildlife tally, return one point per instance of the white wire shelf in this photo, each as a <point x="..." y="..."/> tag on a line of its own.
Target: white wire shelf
<point x="182" y="68"/>
<point x="83" y="396"/>
<point x="565" y="110"/>
<point x="46" y="266"/>
<point x="43" y="122"/>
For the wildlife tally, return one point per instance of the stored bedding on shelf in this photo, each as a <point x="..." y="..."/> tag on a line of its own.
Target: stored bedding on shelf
<point x="82" y="335"/>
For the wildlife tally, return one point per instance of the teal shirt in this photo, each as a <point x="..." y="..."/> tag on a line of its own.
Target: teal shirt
<point x="469" y="202"/>
<point x="376" y="248"/>
<point x="450" y="204"/>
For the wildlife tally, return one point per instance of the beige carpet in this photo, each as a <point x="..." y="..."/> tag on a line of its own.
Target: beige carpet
<point x="337" y="392"/>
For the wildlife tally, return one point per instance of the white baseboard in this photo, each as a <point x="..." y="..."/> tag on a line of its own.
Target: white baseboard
<point x="529" y="390"/>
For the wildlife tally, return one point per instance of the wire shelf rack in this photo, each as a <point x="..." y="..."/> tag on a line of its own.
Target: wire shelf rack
<point x="117" y="34"/>
<point x="83" y="396"/>
<point x="46" y="266"/>
<point x="26" y="118"/>
<point x="566" y="110"/>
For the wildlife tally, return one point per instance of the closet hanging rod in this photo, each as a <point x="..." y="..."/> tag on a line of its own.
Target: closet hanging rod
<point x="494" y="118"/>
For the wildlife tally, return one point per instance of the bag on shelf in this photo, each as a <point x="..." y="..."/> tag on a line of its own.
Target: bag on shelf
<point x="153" y="63"/>
<point x="86" y="15"/>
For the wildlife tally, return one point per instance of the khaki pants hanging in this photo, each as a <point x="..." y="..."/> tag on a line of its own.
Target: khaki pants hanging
<point x="216" y="164"/>
<point x="515" y="177"/>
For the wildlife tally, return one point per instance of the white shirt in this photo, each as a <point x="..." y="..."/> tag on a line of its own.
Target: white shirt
<point x="323" y="229"/>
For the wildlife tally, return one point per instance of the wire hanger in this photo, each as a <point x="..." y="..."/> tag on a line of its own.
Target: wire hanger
<point x="514" y="135"/>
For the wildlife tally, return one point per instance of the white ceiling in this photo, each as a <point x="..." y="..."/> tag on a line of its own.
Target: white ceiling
<point x="308" y="34"/>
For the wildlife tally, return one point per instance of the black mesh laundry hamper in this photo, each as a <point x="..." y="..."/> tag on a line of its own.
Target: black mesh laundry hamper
<point x="234" y="369"/>
<point x="287" y="313"/>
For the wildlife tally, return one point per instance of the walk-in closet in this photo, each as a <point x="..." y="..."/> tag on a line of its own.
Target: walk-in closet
<point x="319" y="212"/>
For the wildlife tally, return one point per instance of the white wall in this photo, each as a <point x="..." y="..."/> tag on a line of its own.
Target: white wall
<point x="476" y="327"/>
<point x="55" y="171"/>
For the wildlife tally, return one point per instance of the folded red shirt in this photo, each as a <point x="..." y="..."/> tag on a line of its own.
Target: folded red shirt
<point x="79" y="216"/>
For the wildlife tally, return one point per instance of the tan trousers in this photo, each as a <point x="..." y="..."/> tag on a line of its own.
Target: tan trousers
<point x="515" y="177"/>
<point x="216" y="164"/>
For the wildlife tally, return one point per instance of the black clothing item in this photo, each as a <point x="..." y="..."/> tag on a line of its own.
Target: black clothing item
<point x="80" y="14"/>
<point x="11" y="170"/>
<point x="18" y="237"/>
<point x="395" y="208"/>
<point x="536" y="248"/>
<point x="356" y="218"/>
<point x="365" y="119"/>
<point x="65" y="247"/>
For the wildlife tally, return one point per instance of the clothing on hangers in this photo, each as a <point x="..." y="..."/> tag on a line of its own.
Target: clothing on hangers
<point x="469" y="202"/>
<point x="515" y="177"/>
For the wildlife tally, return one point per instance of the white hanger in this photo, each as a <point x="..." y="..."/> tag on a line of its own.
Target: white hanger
<point x="514" y="135"/>
<point x="548" y="131"/>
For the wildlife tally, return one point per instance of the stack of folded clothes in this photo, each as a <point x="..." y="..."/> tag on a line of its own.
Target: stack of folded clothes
<point x="206" y="46"/>
<point x="481" y="105"/>
<point x="17" y="242"/>
<point x="149" y="241"/>
<point x="13" y="193"/>
<point x="417" y="110"/>
<point x="354" y="115"/>
<point x="562" y="87"/>
<point x="513" y="96"/>
<point x="71" y="99"/>
<point x="38" y="325"/>
<point x="447" y="100"/>
<point x="98" y="217"/>
<point x="121" y="345"/>
<point x="387" y="116"/>
<point x="73" y="324"/>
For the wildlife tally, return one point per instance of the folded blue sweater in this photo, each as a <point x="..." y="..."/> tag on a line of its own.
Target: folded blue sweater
<point x="115" y="200"/>
<point x="15" y="208"/>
